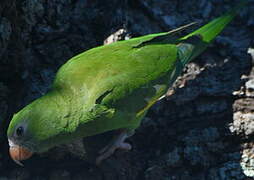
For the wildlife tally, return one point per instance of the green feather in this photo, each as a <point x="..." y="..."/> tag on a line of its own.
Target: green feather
<point x="110" y="87"/>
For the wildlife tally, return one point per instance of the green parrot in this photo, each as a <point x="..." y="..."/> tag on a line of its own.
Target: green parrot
<point x="106" y="88"/>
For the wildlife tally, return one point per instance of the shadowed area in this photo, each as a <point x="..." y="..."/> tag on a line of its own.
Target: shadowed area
<point x="202" y="130"/>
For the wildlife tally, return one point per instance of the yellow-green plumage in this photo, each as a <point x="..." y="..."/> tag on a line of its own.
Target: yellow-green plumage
<point x="110" y="87"/>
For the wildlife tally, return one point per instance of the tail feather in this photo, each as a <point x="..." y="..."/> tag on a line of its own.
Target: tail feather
<point x="196" y="42"/>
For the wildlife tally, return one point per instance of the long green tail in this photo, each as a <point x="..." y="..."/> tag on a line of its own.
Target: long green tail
<point x="196" y="42"/>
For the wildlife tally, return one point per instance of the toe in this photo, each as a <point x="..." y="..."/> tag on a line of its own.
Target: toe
<point x="125" y="146"/>
<point x="105" y="155"/>
<point x="103" y="150"/>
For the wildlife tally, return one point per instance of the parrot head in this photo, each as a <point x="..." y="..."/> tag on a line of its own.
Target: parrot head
<point x="36" y="128"/>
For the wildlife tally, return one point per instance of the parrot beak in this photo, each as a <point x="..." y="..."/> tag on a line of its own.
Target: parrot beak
<point x="18" y="153"/>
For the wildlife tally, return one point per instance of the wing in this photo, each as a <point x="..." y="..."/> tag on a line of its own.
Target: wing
<point x="127" y="76"/>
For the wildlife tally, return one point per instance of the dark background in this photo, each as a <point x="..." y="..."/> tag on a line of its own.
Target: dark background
<point x="204" y="130"/>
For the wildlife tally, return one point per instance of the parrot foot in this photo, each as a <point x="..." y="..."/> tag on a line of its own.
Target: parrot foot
<point x="116" y="143"/>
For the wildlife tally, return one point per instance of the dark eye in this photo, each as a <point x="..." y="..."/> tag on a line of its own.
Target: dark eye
<point x="19" y="131"/>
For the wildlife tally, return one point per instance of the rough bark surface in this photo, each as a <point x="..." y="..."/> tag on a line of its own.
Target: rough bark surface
<point x="204" y="129"/>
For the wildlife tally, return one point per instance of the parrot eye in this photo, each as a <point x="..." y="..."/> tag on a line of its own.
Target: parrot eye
<point x="19" y="131"/>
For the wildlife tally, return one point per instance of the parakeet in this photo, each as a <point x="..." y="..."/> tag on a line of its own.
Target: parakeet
<point x="106" y="88"/>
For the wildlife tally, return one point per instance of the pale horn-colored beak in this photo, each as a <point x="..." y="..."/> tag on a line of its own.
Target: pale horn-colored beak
<point x="18" y="153"/>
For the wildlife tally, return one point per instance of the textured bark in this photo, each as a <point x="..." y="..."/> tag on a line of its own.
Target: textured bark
<point x="203" y="130"/>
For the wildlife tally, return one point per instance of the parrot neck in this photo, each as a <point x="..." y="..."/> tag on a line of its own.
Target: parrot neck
<point x="53" y="101"/>
<point x="67" y="108"/>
